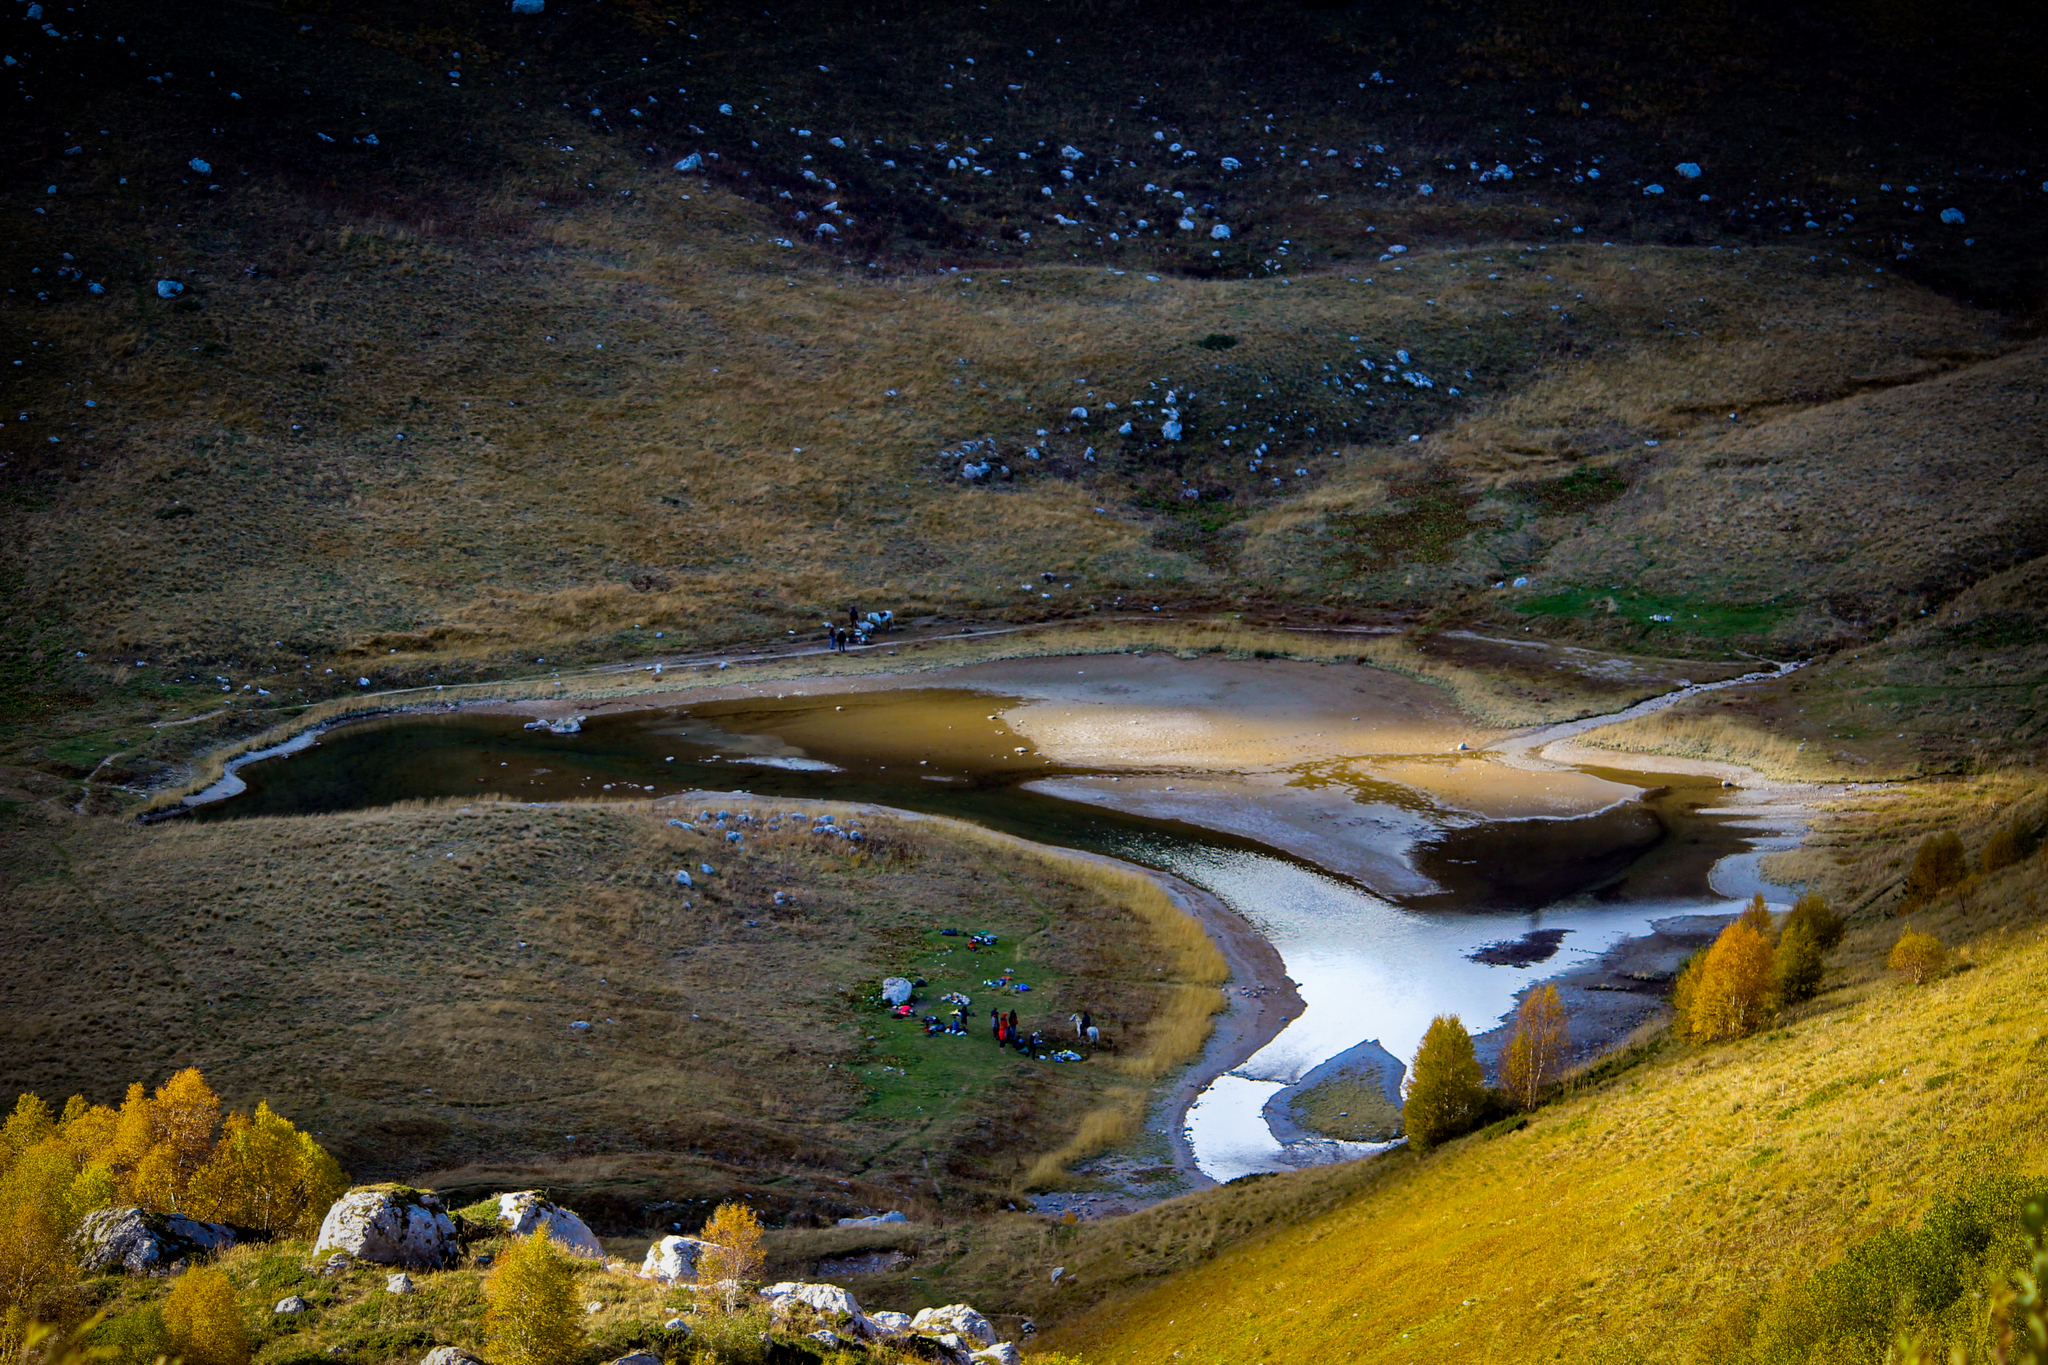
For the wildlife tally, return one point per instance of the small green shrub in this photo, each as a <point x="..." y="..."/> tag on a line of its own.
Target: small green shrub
<point x="1796" y="964"/>
<point x="1217" y="341"/>
<point x="1925" y="1282"/>
<point x="1819" y="918"/>
<point x="137" y="1337"/>
<point x="1446" y="1091"/>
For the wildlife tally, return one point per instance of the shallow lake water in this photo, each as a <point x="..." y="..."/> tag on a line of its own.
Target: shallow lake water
<point x="1369" y="964"/>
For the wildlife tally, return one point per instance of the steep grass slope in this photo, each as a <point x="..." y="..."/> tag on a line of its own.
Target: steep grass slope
<point x="1625" y="1217"/>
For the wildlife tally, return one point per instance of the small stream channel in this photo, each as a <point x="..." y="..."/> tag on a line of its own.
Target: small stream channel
<point x="1367" y="965"/>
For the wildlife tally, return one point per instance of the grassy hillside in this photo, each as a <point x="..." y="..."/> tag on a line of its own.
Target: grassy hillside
<point x="464" y="374"/>
<point x="1657" y="1200"/>
<point x="406" y="983"/>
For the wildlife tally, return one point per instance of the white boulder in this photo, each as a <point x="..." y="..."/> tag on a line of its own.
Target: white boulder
<point x="875" y="1219"/>
<point x="530" y="1211"/>
<point x="837" y="1308"/>
<point x="890" y="1324"/>
<point x="450" y="1355"/>
<point x="896" y="990"/>
<point x="389" y="1226"/>
<point x="673" y="1260"/>
<point x="400" y="1283"/>
<point x="955" y="1317"/>
<point x="292" y="1305"/>
<point x="1002" y="1353"/>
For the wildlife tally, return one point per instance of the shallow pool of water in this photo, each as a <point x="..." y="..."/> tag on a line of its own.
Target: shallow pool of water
<point x="1368" y="964"/>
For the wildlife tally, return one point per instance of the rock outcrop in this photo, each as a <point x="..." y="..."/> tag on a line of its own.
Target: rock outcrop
<point x="833" y="1306"/>
<point x="530" y="1211"/>
<point x="673" y="1260"/>
<point x="389" y="1225"/>
<point x="955" y="1317"/>
<point x="450" y="1355"/>
<point x="145" y="1243"/>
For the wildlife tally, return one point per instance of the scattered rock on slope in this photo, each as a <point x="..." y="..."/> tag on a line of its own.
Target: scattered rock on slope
<point x="529" y="1211"/>
<point x="145" y="1243"/>
<point x="955" y="1317"/>
<point x="450" y="1355"/>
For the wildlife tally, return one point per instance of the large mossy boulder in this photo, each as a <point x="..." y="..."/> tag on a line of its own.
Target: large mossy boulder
<point x="389" y="1225"/>
<point x="145" y="1243"/>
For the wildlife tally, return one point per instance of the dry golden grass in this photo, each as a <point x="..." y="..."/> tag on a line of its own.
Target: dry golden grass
<point x="752" y="391"/>
<point x="1689" y="733"/>
<point x="1111" y="1124"/>
<point x="403" y="980"/>
<point x="1642" y="1203"/>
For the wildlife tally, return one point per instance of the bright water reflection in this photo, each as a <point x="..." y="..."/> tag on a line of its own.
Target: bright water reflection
<point x="1365" y="969"/>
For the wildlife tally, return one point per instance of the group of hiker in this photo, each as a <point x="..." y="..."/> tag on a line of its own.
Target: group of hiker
<point x="857" y="628"/>
<point x="1004" y="1026"/>
<point x="1009" y="1034"/>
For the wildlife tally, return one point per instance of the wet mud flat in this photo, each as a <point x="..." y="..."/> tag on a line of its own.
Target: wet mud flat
<point x="1611" y="995"/>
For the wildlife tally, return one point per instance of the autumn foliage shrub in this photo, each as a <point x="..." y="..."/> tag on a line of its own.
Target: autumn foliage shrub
<point x="1917" y="957"/>
<point x="1537" y="1048"/>
<point x="2008" y="844"/>
<point x="735" y="1257"/>
<point x="1727" y="991"/>
<point x="172" y="1151"/>
<point x="204" y="1321"/>
<point x="1938" y="864"/>
<point x="1819" y="919"/>
<point x="531" y="1293"/>
<point x="1445" y="1092"/>
<point x="1796" y="964"/>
